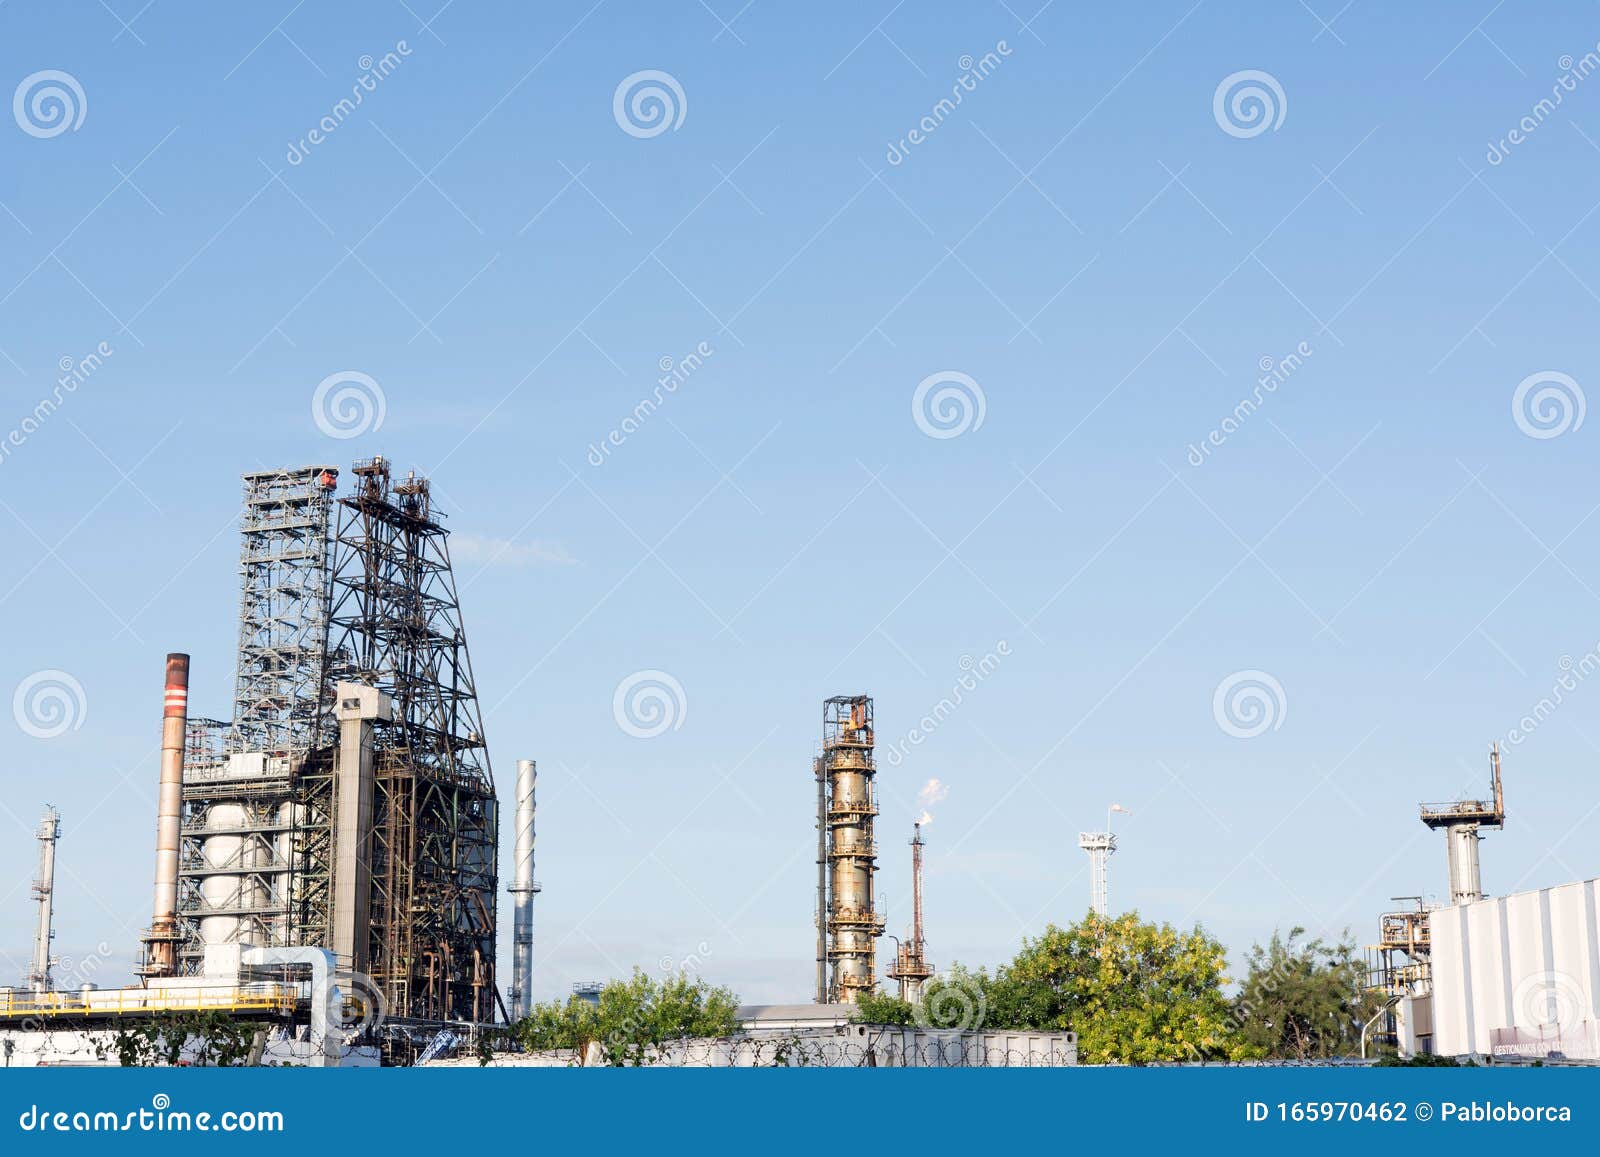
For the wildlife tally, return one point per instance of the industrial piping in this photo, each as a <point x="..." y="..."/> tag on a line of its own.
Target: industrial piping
<point x="524" y="888"/>
<point x="161" y="942"/>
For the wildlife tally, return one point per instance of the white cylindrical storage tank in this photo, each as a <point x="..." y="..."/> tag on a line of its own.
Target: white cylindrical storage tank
<point x="1466" y="877"/>
<point x="221" y="889"/>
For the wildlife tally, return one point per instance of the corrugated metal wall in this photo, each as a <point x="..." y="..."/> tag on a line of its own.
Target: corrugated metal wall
<point x="1519" y="976"/>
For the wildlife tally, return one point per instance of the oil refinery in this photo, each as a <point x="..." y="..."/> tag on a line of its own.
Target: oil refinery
<point x="327" y="860"/>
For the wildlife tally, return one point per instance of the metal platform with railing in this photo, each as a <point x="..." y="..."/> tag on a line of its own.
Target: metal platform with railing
<point x="23" y="1005"/>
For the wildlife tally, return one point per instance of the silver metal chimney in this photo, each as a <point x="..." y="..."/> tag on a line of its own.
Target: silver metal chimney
<point x="524" y="888"/>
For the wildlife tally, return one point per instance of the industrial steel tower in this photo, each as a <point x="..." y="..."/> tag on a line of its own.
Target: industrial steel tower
<point x="252" y="858"/>
<point x="44" y="887"/>
<point x="848" y="922"/>
<point x="1101" y="846"/>
<point x="1461" y="822"/>
<point x="396" y="627"/>
<point x="348" y="804"/>
<point x="911" y="969"/>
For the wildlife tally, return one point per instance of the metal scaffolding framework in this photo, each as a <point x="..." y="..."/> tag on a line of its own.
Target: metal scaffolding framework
<point x="283" y="610"/>
<point x="240" y="850"/>
<point x="848" y="921"/>
<point x="396" y="625"/>
<point x="340" y="595"/>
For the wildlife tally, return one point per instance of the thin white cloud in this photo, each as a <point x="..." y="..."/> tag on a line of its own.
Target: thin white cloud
<point x="484" y="551"/>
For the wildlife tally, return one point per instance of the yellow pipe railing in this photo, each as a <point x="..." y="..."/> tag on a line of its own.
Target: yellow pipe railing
<point x="22" y="1005"/>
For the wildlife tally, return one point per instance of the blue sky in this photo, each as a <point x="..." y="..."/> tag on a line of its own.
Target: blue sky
<point x="1081" y="237"/>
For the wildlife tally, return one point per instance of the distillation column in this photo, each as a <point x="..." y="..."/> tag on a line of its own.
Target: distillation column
<point x="162" y="940"/>
<point x="853" y="921"/>
<point x="524" y="887"/>
<point x="44" y="892"/>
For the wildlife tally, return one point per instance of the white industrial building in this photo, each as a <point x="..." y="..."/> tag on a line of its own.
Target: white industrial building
<point x="1513" y="978"/>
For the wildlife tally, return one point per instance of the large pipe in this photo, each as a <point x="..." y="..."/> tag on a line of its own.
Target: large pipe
<point x="327" y="998"/>
<point x="822" y="881"/>
<point x="523" y="888"/>
<point x="44" y="891"/>
<point x="162" y="953"/>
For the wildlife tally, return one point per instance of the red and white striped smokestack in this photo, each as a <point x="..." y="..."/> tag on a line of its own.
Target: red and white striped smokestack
<point x="162" y="959"/>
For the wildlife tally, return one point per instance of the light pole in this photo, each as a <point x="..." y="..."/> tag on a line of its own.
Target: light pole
<point x="1387" y="1005"/>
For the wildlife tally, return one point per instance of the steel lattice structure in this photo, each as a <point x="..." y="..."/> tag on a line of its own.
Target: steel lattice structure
<point x="283" y="610"/>
<point x="371" y="600"/>
<point x="237" y="861"/>
<point x="395" y="624"/>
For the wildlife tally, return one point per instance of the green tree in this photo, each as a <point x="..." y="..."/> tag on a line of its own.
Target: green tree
<point x="1303" y="999"/>
<point x="634" y="1017"/>
<point x="1134" y="992"/>
<point x="881" y="1008"/>
<point x="213" y="1038"/>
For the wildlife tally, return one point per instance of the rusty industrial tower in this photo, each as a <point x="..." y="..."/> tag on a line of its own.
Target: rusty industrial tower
<point x="911" y="969"/>
<point x="848" y="921"/>
<point x="396" y="626"/>
<point x="349" y="803"/>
